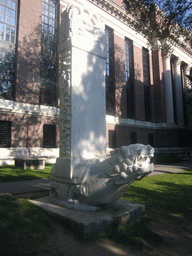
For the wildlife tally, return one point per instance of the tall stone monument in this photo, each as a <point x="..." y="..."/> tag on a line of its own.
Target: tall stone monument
<point x="83" y="179"/>
<point x="82" y="91"/>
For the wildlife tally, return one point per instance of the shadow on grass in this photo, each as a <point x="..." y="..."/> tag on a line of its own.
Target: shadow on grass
<point x="12" y="173"/>
<point x="170" y="192"/>
<point x="23" y="226"/>
<point x="137" y="235"/>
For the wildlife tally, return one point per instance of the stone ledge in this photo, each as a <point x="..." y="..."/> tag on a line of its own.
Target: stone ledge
<point x="95" y="223"/>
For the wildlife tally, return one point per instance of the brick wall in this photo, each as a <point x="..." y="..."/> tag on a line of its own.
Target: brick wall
<point x="28" y="130"/>
<point x="28" y="54"/>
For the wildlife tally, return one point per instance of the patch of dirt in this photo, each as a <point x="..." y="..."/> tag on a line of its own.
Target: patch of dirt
<point x="175" y="229"/>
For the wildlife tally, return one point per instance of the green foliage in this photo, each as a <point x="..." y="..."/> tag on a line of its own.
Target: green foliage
<point x="23" y="226"/>
<point x="12" y="173"/>
<point x="159" y="20"/>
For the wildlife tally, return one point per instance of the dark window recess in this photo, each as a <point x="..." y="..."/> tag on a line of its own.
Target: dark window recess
<point x="109" y="71"/>
<point x="49" y="136"/>
<point x="133" y="137"/>
<point x="48" y="68"/>
<point x="112" y="138"/>
<point x="129" y="74"/>
<point x="151" y="139"/>
<point x="5" y="134"/>
<point x="7" y="74"/>
<point x="146" y="83"/>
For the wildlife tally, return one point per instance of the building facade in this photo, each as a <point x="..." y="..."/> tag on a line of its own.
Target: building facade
<point x="145" y="90"/>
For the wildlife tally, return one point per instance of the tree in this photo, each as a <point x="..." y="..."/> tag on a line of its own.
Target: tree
<point x="158" y="20"/>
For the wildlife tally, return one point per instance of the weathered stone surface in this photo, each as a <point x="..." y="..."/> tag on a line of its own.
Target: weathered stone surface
<point x="82" y="87"/>
<point x="100" y="183"/>
<point x="90" y="224"/>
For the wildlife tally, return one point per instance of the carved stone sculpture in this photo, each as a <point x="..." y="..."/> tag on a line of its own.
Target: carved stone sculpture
<point x="98" y="184"/>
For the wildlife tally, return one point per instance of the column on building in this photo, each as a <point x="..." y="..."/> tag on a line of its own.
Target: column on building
<point x="178" y="91"/>
<point x="187" y="69"/>
<point x="168" y="88"/>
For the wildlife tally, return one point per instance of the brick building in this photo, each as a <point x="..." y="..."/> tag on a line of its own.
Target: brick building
<point x="145" y="91"/>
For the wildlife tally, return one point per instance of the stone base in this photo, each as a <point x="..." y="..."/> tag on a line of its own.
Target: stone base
<point x="91" y="224"/>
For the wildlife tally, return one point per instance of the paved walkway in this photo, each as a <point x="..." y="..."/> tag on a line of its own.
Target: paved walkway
<point x="19" y="187"/>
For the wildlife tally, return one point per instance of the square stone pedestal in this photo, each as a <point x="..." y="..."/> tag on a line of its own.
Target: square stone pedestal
<point x="95" y="223"/>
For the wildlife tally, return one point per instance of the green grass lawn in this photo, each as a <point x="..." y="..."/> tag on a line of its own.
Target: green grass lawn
<point x="22" y="221"/>
<point x="167" y="193"/>
<point x="12" y="173"/>
<point x="23" y="227"/>
<point x="170" y="192"/>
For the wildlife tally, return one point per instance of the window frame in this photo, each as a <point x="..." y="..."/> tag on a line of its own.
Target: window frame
<point x="146" y="83"/>
<point x="129" y="77"/>
<point x="50" y="140"/>
<point x="110" y="81"/>
<point x="3" y="134"/>
<point x="48" y="70"/>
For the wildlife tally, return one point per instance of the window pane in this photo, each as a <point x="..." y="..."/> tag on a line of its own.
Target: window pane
<point x="9" y="3"/>
<point x="129" y="75"/>
<point x="6" y="75"/>
<point x="5" y="134"/>
<point x="48" y="49"/>
<point x="3" y="2"/>
<point x="8" y="16"/>
<point x="7" y="37"/>
<point x="2" y="17"/>
<point x="8" y="12"/>
<point x="7" y="29"/>
<point x="146" y="82"/>
<point x="12" y="39"/>
<point x="13" y="14"/>
<point x="3" y="9"/>
<point x="14" y="5"/>
<point x="8" y="20"/>
<point x="49" y="136"/>
<point x="109" y="71"/>
<point x="1" y="27"/>
<point x="13" y="22"/>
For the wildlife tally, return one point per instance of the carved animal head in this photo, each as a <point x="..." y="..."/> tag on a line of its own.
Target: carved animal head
<point x="133" y="162"/>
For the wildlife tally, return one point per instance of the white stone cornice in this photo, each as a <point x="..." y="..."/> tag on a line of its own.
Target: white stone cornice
<point x="113" y="8"/>
<point x="9" y="106"/>
<point x="112" y="120"/>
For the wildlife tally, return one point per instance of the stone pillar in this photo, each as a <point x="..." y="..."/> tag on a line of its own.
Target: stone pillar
<point x="82" y="90"/>
<point x="186" y="72"/>
<point x="178" y="92"/>
<point x="186" y="95"/>
<point x="168" y="89"/>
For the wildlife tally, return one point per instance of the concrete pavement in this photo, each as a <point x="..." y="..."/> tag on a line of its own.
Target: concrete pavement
<point x="29" y="186"/>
